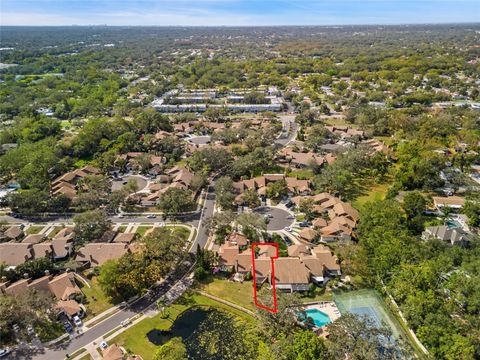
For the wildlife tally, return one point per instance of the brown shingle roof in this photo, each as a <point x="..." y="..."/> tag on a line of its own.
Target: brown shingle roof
<point x="42" y="250"/>
<point x="238" y="239"/>
<point x="17" y="288"/>
<point x="13" y="232"/>
<point x="243" y="261"/>
<point x="291" y="271"/>
<point x="62" y="286"/>
<point x="33" y="238"/>
<point x="70" y="307"/>
<point x="113" y="352"/>
<point x="296" y="250"/>
<point x="228" y="254"/>
<point x="61" y="246"/>
<point x="124" y="238"/>
<point x="14" y="254"/>
<point x="307" y="234"/>
<point x="98" y="253"/>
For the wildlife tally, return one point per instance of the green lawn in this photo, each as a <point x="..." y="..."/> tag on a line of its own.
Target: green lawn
<point x="34" y="229"/>
<point x="376" y="193"/>
<point x="242" y="293"/>
<point x="235" y="292"/>
<point x="55" y="231"/>
<point x="141" y="230"/>
<point x="96" y="300"/>
<point x="135" y="338"/>
<point x="301" y="174"/>
<point x="122" y="228"/>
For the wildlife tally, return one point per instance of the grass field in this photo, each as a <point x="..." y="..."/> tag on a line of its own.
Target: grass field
<point x="376" y="193"/>
<point x="301" y="174"/>
<point x="242" y="293"/>
<point x="141" y="230"/>
<point x="55" y="231"/>
<point x="135" y="338"/>
<point x="97" y="301"/>
<point x="235" y="292"/>
<point x="34" y="229"/>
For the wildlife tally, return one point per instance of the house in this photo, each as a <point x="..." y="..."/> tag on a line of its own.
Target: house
<point x="328" y="260"/>
<point x="308" y="234"/>
<point x="297" y="250"/>
<point x="300" y="159"/>
<point x="124" y="238"/>
<point x="62" y="243"/>
<point x="263" y="270"/>
<point x="454" y="236"/>
<point x="236" y="238"/>
<point x="334" y="232"/>
<point x="33" y="238"/>
<point x="113" y="352"/>
<point x="96" y="254"/>
<point x="14" y="233"/>
<point x="260" y="183"/>
<point x="62" y="286"/>
<point x="243" y="263"/>
<point x="291" y="275"/>
<point x="107" y="237"/>
<point x="344" y="209"/>
<point x="227" y="254"/>
<point x="131" y="160"/>
<point x="14" y="254"/>
<point x="454" y="202"/>
<point x="67" y="183"/>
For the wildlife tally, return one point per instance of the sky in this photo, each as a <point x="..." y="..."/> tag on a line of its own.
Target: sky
<point x="236" y="12"/>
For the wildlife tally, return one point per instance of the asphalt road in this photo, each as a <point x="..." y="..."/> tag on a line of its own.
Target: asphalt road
<point x="207" y="211"/>
<point x="279" y="218"/>
<point x="59" y="353"/>
<point x="197" y="219"/>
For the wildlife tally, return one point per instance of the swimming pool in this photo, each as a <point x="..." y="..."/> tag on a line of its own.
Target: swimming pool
<point x="453" y="224"/>
<point x="319" y="318"/>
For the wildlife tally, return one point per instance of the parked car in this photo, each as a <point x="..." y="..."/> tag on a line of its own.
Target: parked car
<point x="77" y="321"/>
<point x="30" y="330"/>
<point x="16" y="328"/>
<point x="305" y="223"/>
<point x="125" y="322"/>
<point x="68" y="327"/>
<point x="287" y="241"/>
<point x="151" y="217"/>
<point x="103" y="345"/>
<point x="289" y="229"/>
<point x="5" y="352"/>
<point x="290" y="217"/>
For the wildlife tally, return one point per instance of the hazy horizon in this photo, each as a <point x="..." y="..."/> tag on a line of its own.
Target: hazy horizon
<point x="237" y="12"/>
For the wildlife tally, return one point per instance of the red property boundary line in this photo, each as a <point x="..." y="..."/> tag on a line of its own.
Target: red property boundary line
<point x="274" y="309"/>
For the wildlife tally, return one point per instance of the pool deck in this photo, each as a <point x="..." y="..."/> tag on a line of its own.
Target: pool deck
<point x="327" y="307"/>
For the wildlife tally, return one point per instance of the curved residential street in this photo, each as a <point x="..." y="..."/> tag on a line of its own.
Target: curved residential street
<point x="95" y="332"/>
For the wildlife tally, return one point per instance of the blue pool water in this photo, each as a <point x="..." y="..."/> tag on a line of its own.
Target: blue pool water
<point x="452" y="224"/>
<point x="319" y="318"/>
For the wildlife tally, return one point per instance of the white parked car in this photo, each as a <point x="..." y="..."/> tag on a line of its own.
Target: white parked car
<point x="30" y="330"/>
<point x="77" y="321"/>
<point x="4" y="352"/>
<point x="288" y="229"/>
<point x="103" y="345"/>
<point x="151" y="217"/>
